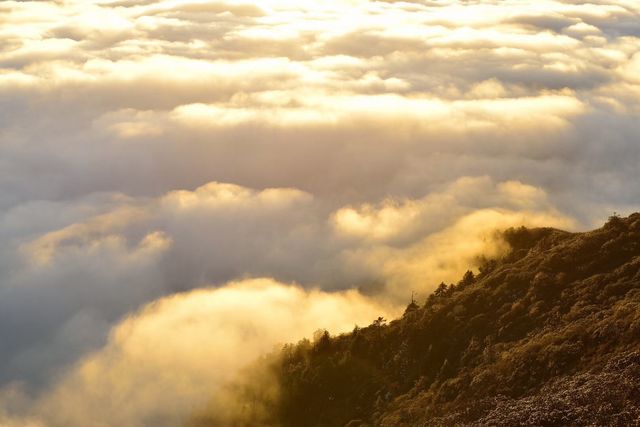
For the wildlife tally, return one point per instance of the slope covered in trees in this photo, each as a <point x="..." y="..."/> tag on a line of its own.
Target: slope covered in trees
<point x="549" y="335"/>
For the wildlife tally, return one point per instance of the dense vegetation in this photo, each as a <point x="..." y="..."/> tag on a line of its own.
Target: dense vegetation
<point x="549" y="335"/>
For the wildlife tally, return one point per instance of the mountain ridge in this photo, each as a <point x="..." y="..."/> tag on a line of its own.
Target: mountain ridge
<point x="547" y="335"/>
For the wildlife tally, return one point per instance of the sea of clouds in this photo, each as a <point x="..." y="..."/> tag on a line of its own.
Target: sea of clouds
<point x="186" y="184"/>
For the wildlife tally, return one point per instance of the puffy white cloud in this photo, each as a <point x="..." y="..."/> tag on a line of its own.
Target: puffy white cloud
<point x="120" y="254"/>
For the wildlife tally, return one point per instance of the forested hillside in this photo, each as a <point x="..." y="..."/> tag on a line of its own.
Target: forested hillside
<point x="549" y="335"/>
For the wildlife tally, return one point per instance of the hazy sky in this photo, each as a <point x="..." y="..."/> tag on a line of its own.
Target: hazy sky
<point x="182" y="181"/>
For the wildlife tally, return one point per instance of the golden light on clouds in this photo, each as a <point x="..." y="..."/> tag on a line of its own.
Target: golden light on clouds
<point x="360" y="149"/>
<point x="165" y="361"/>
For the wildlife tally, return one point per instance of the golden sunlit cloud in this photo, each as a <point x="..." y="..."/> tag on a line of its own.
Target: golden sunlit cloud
<point x="166" y="360"/>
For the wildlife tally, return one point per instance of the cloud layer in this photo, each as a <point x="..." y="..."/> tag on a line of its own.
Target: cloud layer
<point x="168" y="359"/>
<point x="152" y="148"/>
